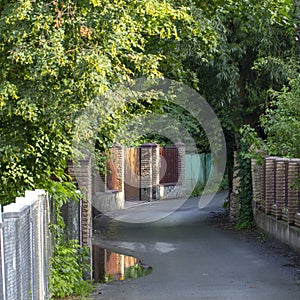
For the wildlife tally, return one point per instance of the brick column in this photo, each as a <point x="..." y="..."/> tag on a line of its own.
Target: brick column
<point x="146" y="172"/>
<point x="257" y="185"/>
<point x="81" y="173"/>
<point x="280" y="185"/>
<point x="269" y="183"/>
<point x="181" y="162"/>
<point x="257" y="174"/>
<point x="263" y="186"/>
<point x="119" y="160"/>
<point x="293" y="193"/>
<point x="155" y="171"/>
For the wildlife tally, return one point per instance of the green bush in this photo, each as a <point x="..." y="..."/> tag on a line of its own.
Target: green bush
<point x="245" y="219"/>
<point x="67" y="267"/>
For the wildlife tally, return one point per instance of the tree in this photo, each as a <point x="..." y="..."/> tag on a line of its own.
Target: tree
<point x="281" y="123"/>
<point x="56" y="56"/>
<point x="259" y="50"/>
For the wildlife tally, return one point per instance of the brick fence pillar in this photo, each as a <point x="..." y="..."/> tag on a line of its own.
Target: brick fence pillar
<point x="256" y="171"/>
<point x="119" y="161"/>
<point x="146" y="172"/>
<point x="181" y="162"/>
<point x="81" y="173"/>
<point x="269" y="183"/>
<point x="155" y="171"/>
<point x="257" y="183"/>
<point x="280" y="185"/>
<point x="293" y="193"/>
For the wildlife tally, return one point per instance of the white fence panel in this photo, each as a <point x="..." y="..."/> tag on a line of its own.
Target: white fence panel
<point x="25" y="248"/>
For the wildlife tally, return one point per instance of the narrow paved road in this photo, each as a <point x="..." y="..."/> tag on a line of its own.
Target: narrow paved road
<point x="192" y="258"/>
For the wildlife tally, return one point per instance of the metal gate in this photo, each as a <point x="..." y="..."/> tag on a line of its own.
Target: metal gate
<point x="169" y="165"/>
<point x="132" y="174"/>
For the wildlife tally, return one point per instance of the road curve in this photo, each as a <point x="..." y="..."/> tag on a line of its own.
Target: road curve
<point x="192" y="258"/>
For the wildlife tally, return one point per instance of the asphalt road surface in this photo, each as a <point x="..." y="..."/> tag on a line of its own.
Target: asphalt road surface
<point x="193" y="257"/>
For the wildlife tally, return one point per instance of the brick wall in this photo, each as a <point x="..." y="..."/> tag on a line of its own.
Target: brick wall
<point x="274" y="190"/>
<point x="108" y="189"/>
<point x="276" y="199"/>
<point x="81" y="173"/>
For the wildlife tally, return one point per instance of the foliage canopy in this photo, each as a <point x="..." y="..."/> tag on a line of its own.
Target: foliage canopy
<point x="56" y="56"/>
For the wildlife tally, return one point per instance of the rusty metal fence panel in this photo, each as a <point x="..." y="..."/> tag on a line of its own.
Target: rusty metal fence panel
<point x="169" y="165"/>
<point x="112" y="170"/>
<point x="132" y="173"/>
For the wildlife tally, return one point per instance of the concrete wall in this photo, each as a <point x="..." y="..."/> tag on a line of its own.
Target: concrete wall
<point x="279" y="229"/>
<point x="108" y="201"/>
<point x="171" y="191"/>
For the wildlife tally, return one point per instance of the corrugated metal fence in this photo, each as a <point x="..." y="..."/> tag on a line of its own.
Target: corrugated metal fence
<point x="25" y="247"/>
<point x="197" y="169"/>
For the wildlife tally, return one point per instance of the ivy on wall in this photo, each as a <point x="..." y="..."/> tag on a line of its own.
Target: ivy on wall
<point x="245" y="217"/>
